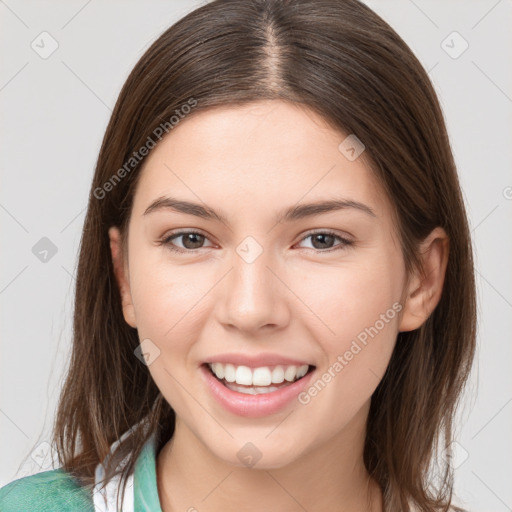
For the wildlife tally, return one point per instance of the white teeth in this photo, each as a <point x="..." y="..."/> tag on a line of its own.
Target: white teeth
<point x="262" y="376"/>
<point x="243" y="375"/>
<point x="278" y="375"/>
<point x="229" y="372"/>
<point x="302" y="370"/>
<point x="218" y="369"/>
<point x="252" y="390"/>
<point x="290" y="373"/>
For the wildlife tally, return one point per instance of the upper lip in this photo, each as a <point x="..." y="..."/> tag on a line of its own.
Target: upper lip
<point x="256" y="361"/>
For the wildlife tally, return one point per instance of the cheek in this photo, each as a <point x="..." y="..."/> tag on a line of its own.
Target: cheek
<point x="357" y="335"/>
<point x="356" y="319"/>
<point x="347" y="299"/>
<point x="166" y="297"/>
<point x="168" y="308"/>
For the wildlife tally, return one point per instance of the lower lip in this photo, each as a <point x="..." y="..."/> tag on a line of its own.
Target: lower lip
<point x="254" y="406"/>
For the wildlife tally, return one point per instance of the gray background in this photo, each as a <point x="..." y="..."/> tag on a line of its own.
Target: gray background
<point x="54" y="112"/>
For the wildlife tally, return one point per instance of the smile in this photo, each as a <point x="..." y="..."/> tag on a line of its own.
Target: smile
<point x="255" y="392"/>
<point x="257" y="380"/>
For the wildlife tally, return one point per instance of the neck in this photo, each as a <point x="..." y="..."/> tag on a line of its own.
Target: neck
<point x="331" y="476"/>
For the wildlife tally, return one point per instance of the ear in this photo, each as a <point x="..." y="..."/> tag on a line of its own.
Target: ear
<point x="425" y="288"/>
<point x="122" y="277"/>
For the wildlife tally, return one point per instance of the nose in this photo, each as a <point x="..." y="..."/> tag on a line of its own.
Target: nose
<point x="253" y="296"/>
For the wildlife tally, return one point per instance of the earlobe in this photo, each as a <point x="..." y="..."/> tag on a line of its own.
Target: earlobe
<point x="122" y="277"/>
<point x="426" y="286"/>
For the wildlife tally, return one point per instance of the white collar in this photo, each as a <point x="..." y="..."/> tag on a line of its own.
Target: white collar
<point x="104" y="496"/>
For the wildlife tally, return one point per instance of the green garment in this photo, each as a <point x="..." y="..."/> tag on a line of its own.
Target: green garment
<point x="56" y="490"/>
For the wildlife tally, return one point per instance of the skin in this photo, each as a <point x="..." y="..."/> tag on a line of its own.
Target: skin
<point x="298" y="297"/>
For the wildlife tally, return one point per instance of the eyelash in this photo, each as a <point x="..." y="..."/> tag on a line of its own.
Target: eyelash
<point x="167" y="241"/>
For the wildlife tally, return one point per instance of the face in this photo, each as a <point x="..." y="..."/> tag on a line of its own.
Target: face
<point x="322" y="287"/>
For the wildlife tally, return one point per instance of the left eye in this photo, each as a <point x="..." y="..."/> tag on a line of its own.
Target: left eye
<point x="327" y="238"/>
<point x="192" y="241"/>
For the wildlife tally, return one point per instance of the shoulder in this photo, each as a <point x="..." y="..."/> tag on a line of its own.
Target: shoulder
<point x="53" y="490"/>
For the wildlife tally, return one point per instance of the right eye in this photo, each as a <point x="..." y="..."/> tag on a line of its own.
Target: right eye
<point x="192" y="241"/>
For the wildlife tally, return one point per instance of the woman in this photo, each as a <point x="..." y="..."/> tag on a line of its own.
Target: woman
<point x="275" y="300"/>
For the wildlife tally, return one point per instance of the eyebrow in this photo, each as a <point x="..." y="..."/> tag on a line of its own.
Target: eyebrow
<point x="288" y="215"/>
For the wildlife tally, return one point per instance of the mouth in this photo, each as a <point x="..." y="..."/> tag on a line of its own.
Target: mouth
<point x="257" y="381"/>
<point x="256" y="392"/>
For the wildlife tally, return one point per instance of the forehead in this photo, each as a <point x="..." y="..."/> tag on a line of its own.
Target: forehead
<point x="262" y="154"/>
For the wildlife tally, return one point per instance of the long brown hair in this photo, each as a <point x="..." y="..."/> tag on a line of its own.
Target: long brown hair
<point x="344" y="62"/>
